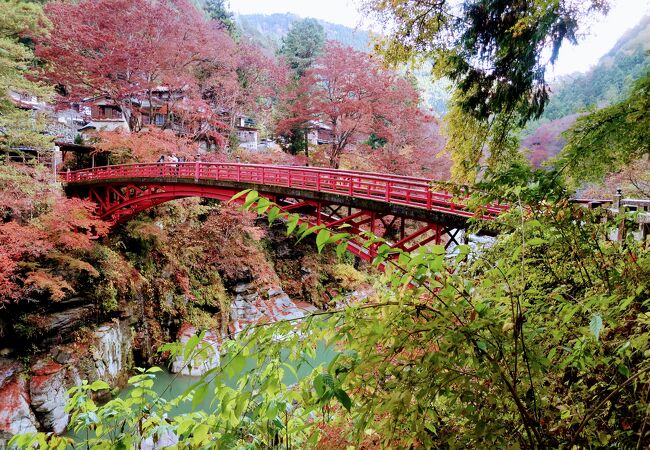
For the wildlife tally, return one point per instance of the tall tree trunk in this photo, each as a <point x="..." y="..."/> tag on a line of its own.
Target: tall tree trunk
<point x="151" y="118"/>
<point x="307" y="145"/>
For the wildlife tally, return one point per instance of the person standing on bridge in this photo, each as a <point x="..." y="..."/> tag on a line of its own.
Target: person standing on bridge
<point x="174" y="160"/>
<point x="161" y="162"/>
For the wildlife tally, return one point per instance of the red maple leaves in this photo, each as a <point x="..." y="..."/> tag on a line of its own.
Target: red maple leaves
<point x="353" y="96"/>
<point x="40" y="225"/>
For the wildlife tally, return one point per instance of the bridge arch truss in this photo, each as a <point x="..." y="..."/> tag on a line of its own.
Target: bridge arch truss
<point x="405" y="211"/>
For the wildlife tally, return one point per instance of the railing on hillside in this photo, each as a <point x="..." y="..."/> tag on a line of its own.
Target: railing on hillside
<point x="630" y="204"/>
<point x="620" y="205"/>
<point x="394" y="189"/>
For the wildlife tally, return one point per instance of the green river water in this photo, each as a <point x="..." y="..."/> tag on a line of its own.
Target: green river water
<point x="171" y="385"/>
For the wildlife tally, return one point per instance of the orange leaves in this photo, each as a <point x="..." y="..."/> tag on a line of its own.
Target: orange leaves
<point x="351" y="96"/>
<point x="71" y="224"/>
<point x="120" y="47"/>
<point x="127" y="51"/>
<point x="57" y="287"/>
<point x="72" y="263"/>
<point x="277" y="157"/>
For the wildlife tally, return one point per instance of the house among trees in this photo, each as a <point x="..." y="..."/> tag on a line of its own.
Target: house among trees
<point x="159" y="109"/>
<point x="319" y="133"/>
<point x="246" y="132"/>
<point x="26" y="101"/>
<point x="33" y="107"/>
<point x="102" y="114"/>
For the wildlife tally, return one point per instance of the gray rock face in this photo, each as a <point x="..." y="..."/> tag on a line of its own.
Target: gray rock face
<point x="8" y="368"/>
<point x="48" y="389"/>
<point x="240" y="288"/>
<point x="63" y="321"/>
<point x="165" y="441"/>
<point x="108" y="352"/>
<point x="16" y="415"/>
<point x="29" y="403"/>
<point x="200" y="363"/>
<point x="248" y="310"/>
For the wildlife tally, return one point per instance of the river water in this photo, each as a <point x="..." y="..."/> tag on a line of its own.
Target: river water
<point x="170" y="385"/>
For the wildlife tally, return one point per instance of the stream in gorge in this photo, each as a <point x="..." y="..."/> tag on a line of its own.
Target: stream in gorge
<point x="170" y="385"/>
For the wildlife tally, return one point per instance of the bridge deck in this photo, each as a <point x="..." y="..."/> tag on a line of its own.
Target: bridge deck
<point x="405" y="192"/>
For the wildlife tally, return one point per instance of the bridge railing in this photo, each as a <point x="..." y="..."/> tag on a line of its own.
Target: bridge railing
<point x="396" y="189"/>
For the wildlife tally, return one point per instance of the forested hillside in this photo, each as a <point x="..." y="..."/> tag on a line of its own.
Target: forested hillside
<point x="609" y="80"/>
<point x="268" y="30"/>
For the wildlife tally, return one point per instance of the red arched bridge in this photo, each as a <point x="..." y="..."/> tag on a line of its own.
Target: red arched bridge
<point x="405" y="211"/>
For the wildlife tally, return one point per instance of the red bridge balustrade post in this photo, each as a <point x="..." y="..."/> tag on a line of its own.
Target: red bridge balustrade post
<point x="429" y="200"/>
<point x="196" y="170"/>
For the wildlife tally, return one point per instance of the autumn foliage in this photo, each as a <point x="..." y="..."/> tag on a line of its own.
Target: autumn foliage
<point x="41" y="232"/>
<point x="121" y="48"/>
<point x="127" y="51"/>
<point x="146" y="146"/>
<point x="351" y="95"/>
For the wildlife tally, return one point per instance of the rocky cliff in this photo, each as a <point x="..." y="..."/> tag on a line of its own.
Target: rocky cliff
<point x="165" y="276"/>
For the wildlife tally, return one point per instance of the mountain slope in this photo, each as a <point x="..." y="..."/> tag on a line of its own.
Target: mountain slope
<point x="609" y="80"/>
<point x="268" y="30"/>
<point x="606" y="83"/>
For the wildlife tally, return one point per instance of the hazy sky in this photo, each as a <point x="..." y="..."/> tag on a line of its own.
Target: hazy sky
<point x="602" y="34"/>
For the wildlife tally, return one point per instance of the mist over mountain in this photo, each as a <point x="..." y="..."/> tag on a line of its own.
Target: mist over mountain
<point x="607" y="82"/>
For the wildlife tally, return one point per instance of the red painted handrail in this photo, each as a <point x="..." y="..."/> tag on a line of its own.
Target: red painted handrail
<point x="393" y="189"/>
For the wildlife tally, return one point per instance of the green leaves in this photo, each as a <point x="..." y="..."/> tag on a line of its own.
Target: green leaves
<point x="294" y="224"/>
<point x="536" y="242"/>
<point x="610" y="138"/>
<point x="99" y="385"/>
<point x="199" y="395"/>
<point x="446" y="349"/>
<point x="596" y="325"/>
<point x="302" y="44"/>
<point x="343" y="397"/>
<point x="273" y="214"/>
<point x="327" y="387"/>
<point x="322" y="238"/>
<point x="240" y="194"/>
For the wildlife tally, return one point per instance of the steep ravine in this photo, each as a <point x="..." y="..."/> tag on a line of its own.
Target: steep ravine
<point x="182" y="267"/>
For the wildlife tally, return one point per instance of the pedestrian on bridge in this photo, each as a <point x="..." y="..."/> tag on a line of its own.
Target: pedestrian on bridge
<point x="174" y="160"/>
<point x="161" y="166"/>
